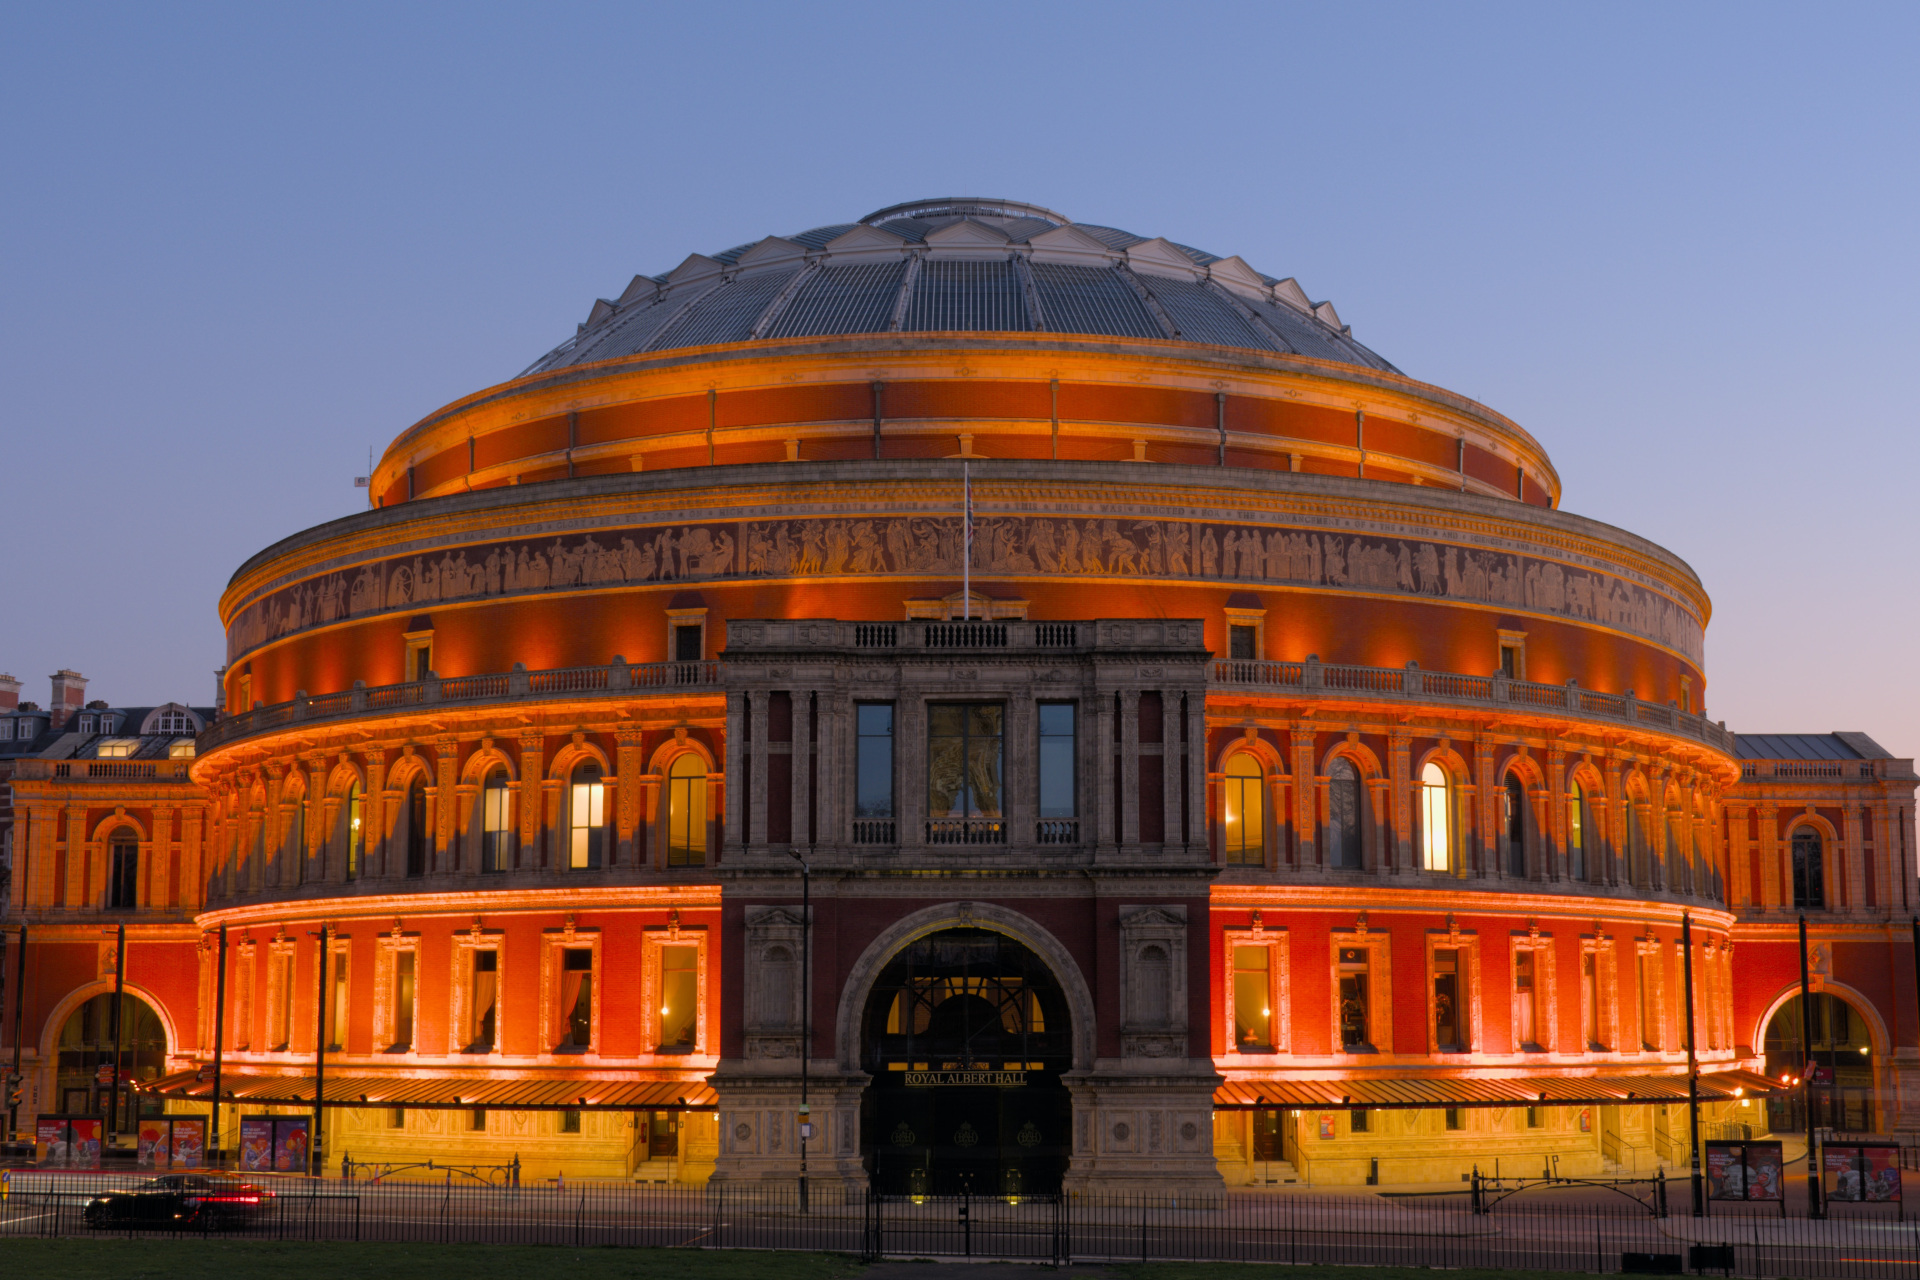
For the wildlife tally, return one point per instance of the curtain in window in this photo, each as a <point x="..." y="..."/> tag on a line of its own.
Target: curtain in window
<point x="485" y="998"/>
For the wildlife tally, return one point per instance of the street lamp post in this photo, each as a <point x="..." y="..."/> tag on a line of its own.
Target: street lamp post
<point x="1806" y="1075"/>
<point x="806" y="1010"/>
<point x="119" y="999"/>
<point x="315" y="1157"/>
<point x="1693" y="1067"/>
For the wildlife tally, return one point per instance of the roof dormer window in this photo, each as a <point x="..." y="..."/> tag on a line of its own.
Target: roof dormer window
<point x="117" y="749"/>
<point x="86" y="724"/>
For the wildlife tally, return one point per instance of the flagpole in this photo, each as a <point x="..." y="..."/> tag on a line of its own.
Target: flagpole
<point x="966" y="543"/>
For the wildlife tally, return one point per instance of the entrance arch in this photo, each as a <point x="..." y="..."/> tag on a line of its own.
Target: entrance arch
<point x="966" y="1034"/>
<point x="1842" y="1053"/>
<point x="85" y="1043"/>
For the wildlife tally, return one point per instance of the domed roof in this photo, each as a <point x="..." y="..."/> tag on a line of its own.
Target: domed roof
<point x="961" y="264"/>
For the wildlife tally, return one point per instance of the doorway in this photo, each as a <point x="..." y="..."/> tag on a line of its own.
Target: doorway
<point x="966" y="1034"/>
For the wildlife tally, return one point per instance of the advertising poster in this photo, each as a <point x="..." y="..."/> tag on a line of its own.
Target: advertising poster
<point x="1326" y="1125"/>
<point x="256" y="1144"/>
<point x="1745" y="1171"/>
<point x="189" y="1141"/>
<point x="153" y="1148"/>
<point x="290" y="1144"/>
<point x="1862" y="1172"/>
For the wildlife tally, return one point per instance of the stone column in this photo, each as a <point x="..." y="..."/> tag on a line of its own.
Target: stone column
<point x="627" y="758"/>
<point x="1306" y="809"/>
<point x="756" y="749"/>
<point x="532" y="766"/>
<point x="1555" y="851"/>
<point x="446" y="805"/>
<point x="1400" y="776"/>
<point x="1128" y="790"/>
<point x="735" y="835"/>
<point x="797" y="749"/>
<point x="1740" y="885"/>
<point x="1775" y="890"/>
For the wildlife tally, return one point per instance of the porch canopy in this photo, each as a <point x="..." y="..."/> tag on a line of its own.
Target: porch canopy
<point x="1410" y="1093"/>
<point x="536" y="1093"/>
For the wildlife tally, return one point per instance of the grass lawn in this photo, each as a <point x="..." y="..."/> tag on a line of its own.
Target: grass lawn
<point x="194" y="1259"/>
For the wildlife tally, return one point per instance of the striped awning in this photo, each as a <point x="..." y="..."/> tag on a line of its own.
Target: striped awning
<point x="1388" y="1093"/>
<point x="527" y="1093"/>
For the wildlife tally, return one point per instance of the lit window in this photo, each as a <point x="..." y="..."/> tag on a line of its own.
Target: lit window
<point x="1449" y="1002"/>
<point x="1343" y="814"/>
<point x="1436" y="818"/>
<point x="687" y="811"/>
<point x="484" y="1007"/>
<point x="679" y="1006"/>
<point x="1356" y="994"/>
<point x="575" y="1007"/>
<point x="402" y="1001"/>
<point x="586" y="819"/>
<point x="1649" y="1004"/>
<point x="964" y="773"/>
<point x="342" y="1008"/>
<point x="1590" y="1000"/>
<point x="1809" y="875"/>
<point x="1526" y="1029"/>
<point x="1252" y="1000"/>
<point x="1245" y="811"/>
<point x="1577" y="832"/>
<point x="356" y="829"/>
<point x="496" y="817"/>
<point x="116" y="748"/>
<point x="180" y="749"/>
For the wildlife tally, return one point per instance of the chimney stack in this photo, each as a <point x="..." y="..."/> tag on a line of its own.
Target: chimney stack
<point x="9" y="693"/>
<point x="69" y="695"/>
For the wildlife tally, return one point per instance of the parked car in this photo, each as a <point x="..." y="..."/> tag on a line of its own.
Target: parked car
<point x="200" y="1201"/>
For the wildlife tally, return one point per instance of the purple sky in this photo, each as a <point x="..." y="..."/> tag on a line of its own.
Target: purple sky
<point x="1677" y="243"/>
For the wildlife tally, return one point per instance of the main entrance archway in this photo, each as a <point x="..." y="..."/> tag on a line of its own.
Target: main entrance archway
<point x="966" y="1033"/>
<point x="1841" y="1091"/>
<point x="86" y="1044"/>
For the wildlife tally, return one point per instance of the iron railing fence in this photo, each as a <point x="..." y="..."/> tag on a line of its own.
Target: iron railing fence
<point x="1570" y="1226"/>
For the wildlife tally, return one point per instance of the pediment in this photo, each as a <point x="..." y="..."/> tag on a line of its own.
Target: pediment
<point x="773" y="918"/>
<point x="698" y="266"/>
<point x="1072" y="246"/>
<point x="1325" y="313"/>
<point x="1290" y="292"/>
<point x="967" y="239"/>
<point x="1153" y="918"/>
<point x="601" y="310"/>
<point x="642" y="289"/>
<point x="1161" y="257"/>
<point x="1236" y="275"/>
<point x="865" y="240"/>
<point x="774" y="249"/>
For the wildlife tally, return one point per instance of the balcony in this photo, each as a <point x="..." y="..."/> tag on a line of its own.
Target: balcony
<point x="1313" y="678"/>
<point x="518" y="685"/>
<point x="168" y="770"/>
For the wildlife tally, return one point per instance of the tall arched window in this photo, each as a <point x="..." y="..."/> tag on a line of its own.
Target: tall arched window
<point x="586" y="818"/>
<point x="1679" y="865"/>
<point x="297" y="842"/>
<point x="1809" y="870"/>
<point x="1244" y="811"/>
<point x="123" y="871"/>
<point x="1436" y="818"/>
<point x="496" y="818"/>
<point x="1577" y="832"/>
<point x="687" y="811"/>
<point x="356" y="829"/>
<point x="1343" y="814"/>
<point x="417" y="826"/>
<point x="1514" y="824"/>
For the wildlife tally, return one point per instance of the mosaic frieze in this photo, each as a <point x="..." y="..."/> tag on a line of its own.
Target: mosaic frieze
<point x="923" y="546"/>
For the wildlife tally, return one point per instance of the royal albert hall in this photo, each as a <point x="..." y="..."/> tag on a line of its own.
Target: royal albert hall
<point x="1269" y="781"/>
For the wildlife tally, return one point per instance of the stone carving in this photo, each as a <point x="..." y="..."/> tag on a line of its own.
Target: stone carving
<point x="930" y="545"/>
<point x="1153" y="986"/>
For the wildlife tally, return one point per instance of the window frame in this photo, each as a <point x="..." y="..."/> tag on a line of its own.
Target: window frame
<point x="652" y="961"/>
<point x="1806" y="881"/>
<point x="1378" y="945"/>
<point x="1469" y="1020"/>
<point x="882" y="829"/>
<point x="122" y="840"/>
<point x="1449" y="808"/>
<point x="388" y="949"/>
<point x="1335" y="851"/>
<point x="1279" y="989"/>
<point x="496" y="844"/>
<point x="694" y="854"/>
<point x="975" y="824"/>
<point x="1232" y="784"/>
<point x="591" y="834"/>
<point x="416" y="656"/>
<point x="678" y="618"/>
<point x="1041" y="738"/>
<point x="1254" y="618"/>
<point x="554" y="944"/>
<point x="465" y="946"/>
<point x="1546" y="1026"/>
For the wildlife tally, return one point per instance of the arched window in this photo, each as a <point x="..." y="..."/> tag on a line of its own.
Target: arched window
<point x="356" y="829"/>
<point x="1514" y="824"/>
<point x="586" y="818"/>
<point x="496" y="818"/>
<point x="1809" y="870"/>
<point x="297" y="842"/>
<point x="686" y="811"/>
<point x="1577" y="832"/>
<point x="1679" y="865"/>
<point x="1244" y="811"/>
<point x="417" y="826"/>
<point x="1343" y="814"/>
<point x="1436" y="818"/>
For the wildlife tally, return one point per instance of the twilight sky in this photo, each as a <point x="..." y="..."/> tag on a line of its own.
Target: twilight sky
<point x="245" y="243"/>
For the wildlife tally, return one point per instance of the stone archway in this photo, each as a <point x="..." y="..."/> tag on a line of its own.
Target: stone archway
<point x="84" y="1043"/>
<point x="1842" y="1056"/>
<point x="966" y="1035"/>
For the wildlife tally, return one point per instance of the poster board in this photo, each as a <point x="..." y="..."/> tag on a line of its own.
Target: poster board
<point x="67" y="1142"/>
<point x="1747" y="1172"/>
<point x="1861" y="1173"/>
<point x="171" y="1142"/>
<point x="273" y="1144"/>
